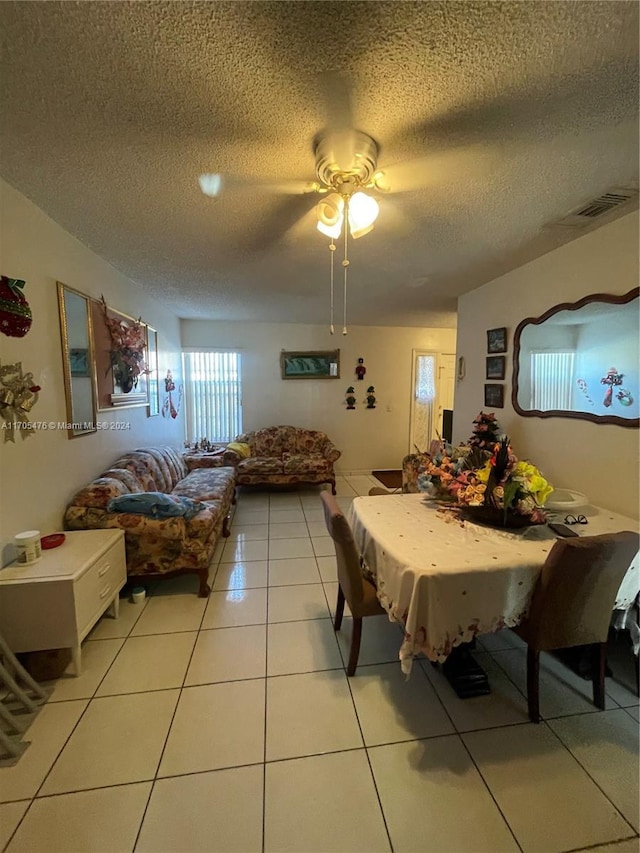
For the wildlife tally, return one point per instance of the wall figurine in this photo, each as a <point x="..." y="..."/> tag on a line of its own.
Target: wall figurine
<point x="371" y="400"/>
<point x="350" y="399"/>
<point x="360" y="369"/>
<point x="169" y="407"/>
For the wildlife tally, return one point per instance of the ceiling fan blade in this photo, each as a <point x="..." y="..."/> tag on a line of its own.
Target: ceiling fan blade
<point x="336" y="93"/>
<point x="274" y="224"/>
<point x="214" y="184"/>
<point x="462" y="164"/>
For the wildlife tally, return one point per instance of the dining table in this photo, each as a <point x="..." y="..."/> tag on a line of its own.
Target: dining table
<point x="447" y="579"/>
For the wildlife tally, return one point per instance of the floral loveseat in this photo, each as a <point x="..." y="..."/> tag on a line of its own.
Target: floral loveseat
<point x="159" y="547"/>
<point x="284" y="455"/>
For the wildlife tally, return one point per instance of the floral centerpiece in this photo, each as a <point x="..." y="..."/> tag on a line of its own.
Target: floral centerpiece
<point x="128" y="344"/>
<point x="486" y="481"/>
<point x="504" y="490"/>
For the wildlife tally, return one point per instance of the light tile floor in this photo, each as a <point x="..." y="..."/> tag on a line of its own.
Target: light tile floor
<point x="230" y="725"/>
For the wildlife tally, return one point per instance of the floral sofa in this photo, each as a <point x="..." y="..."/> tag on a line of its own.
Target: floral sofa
<point x="284" y="455"/>
<point x="159" y="547"/>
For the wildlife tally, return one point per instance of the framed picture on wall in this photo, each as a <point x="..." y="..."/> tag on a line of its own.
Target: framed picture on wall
<point x="495" y="367"/>
<point x="310" y="365"/>
<point x="494" y="396"/>
<point x="497" y="340"/>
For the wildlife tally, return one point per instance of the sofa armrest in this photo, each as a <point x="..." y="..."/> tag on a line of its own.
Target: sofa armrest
<point x="91" y="518"/>
<point x="205" y="460"/>
<point x="231" y="458"/>
<point x="330" y="451"/>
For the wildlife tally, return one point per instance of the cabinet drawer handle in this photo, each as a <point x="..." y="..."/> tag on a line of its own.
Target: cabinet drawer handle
<point x="105" y="591"/>
<point x="104" y="570"/>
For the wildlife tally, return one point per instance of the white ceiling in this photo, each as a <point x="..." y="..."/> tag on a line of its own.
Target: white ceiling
<point x="504" y="116"/>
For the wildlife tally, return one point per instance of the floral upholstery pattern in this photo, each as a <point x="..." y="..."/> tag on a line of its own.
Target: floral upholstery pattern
<point x="284" y="455"/>
<point x="159" y="547"/>
<point x="413" y="466"/>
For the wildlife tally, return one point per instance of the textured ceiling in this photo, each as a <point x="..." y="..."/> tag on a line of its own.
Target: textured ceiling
<point x="493" y="118"/>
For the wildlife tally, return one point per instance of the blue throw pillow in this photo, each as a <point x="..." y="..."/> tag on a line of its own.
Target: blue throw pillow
<point x="156" y="505"/>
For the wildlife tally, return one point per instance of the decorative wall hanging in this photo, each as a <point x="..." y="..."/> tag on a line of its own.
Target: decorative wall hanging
<point x="371" y="400"/>
<point x="18" y="395"/>
<point x="495" y="367"/>
<point x="310" y="365"/>
<point x="494" y="396"/>
<point x="350" y="399"/>
<point x="497" y="340"/>
<point x="171" y="405"/>
<point x="15" y="313"/>
<point x="360" y="369"/>
<point x="120" y="354"/>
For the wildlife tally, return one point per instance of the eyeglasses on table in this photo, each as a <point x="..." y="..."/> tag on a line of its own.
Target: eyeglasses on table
<point x="576" y="519"/>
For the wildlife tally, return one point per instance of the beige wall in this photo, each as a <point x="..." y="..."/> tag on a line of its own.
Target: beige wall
<point x="368" y="438"/>
<point x="40" y="473"/>
<point x="599" y="460"/>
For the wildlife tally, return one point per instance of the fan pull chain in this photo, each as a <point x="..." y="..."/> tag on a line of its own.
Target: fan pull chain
<point x="332" y="249"/>
<point x="345" y="264"/>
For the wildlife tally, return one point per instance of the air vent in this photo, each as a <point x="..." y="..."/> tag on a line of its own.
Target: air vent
<point x="597" y="208"/>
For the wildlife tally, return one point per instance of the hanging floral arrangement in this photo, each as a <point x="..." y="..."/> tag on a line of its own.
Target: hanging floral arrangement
<point x="128" y="343"/>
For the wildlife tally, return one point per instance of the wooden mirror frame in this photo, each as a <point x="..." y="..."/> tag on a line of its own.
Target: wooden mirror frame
<point x="606" y="298"/>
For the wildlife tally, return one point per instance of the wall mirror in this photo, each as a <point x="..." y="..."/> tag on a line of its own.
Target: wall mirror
<point x="77" y="360"/>
<point x="580" y="360"/>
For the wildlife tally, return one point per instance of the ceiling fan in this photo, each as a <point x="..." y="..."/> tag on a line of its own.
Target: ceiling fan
<point x="346" y="165"/>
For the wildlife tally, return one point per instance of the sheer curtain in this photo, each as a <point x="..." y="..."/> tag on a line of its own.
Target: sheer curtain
<point x="213" y="395"/>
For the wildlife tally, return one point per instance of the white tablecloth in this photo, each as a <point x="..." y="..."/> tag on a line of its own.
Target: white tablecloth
<point x="448" y="581"/>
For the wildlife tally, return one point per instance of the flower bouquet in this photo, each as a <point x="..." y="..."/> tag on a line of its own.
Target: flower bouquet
<point x="485" y="480"/>
<point x="128" y="344"/>
<point x="504" y="491"/>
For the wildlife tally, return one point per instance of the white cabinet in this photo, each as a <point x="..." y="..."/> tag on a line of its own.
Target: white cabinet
<point x="54" y="603"/>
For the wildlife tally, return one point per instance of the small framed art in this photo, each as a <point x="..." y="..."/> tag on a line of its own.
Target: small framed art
<point x="495" y="367"/>
<point x="497" y="340"/>
<point x="494" y="396"/>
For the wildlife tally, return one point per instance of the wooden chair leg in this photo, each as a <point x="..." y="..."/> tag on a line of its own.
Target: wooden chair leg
<point x="533" y="684"/>
<point x="337" y="622"/>
<point x="355" y="646"/>
<point x="598" y="669"/>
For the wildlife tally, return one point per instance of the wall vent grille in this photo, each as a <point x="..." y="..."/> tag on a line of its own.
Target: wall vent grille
<point x="597" y="207"/>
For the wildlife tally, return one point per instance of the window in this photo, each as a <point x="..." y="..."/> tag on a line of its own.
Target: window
<point x="551" y="380"/>
<point x="213" y="395"/>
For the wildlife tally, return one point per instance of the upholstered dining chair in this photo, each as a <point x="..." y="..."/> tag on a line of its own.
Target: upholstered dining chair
<point x="359" y="592"/>
<point x="572" y="604"/>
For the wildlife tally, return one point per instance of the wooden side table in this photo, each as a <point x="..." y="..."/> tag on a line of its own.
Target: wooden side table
<point x="55" y="602"/>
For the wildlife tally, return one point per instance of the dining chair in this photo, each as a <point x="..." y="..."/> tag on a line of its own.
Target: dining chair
<point x="378" y="490"/>
<point x="572" y="603"/>
<point x="358" y="591"/>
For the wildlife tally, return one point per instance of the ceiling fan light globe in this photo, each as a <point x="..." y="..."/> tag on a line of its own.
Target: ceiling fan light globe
<point x="332" y="231"/>
<point x="329" y="213"/>
<point x="363" y="212"/>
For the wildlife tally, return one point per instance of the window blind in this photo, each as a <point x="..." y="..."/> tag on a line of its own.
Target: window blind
<point x="551" y="380"/>
<point x="213" y="395"/>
